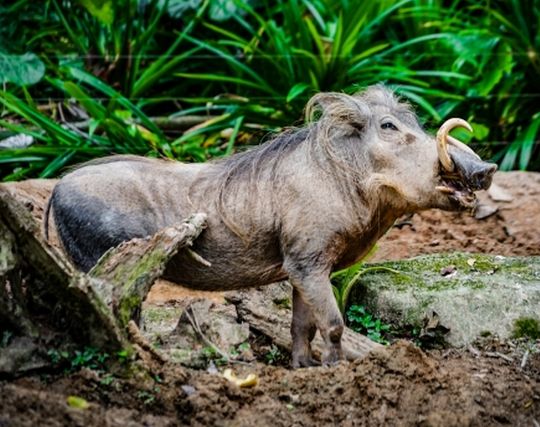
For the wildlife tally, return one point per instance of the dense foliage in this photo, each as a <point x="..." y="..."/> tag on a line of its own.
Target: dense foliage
<point x="193" y="79"/>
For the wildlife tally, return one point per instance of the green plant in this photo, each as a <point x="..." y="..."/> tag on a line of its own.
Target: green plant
<point x="238" y="69"/>
<point x="277" y="56"/>
<point x="148" y="397"/>
<point x="345" y="280"/>
<point x="527" y="327"/>
<point x="115" y="126"/>
<point x="211" y="354"/>
<point x="107" y="379"/>
<point x="88" y="357"/>
<point x="363" y="322"/>
<point x="497" y="45"/>
<point x="274" y="355"/>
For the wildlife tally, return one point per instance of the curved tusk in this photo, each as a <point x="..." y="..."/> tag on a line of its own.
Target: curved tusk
<point x="443" y="139"/>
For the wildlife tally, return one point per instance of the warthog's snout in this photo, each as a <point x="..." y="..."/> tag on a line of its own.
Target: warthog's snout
<point x="476" y="173"/>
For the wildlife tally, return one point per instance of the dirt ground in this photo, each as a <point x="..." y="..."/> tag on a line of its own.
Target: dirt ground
<point x="488" y="384"/>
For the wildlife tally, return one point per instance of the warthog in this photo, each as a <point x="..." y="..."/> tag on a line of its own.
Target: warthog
<point x="309" y="201"/>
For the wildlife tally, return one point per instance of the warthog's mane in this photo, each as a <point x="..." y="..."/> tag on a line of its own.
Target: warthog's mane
<point x="325" y="113"/>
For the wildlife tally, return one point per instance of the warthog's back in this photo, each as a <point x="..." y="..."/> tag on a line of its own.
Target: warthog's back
<point x="116" y="199"/>
<point x="105" y="203"/>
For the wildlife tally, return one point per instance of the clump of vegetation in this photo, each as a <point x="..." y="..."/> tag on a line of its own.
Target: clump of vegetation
<point x="274" y="356"/>
<point x="345" y="280"/>
<point x="365" y="323"/>
<point x="527" y="327"/>
<point x="84" y="79"/>
<point x="88" y="357"/>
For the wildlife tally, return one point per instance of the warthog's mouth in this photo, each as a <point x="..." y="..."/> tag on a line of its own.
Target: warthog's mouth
<point x="462" y="171"/>
<point x="457" y="191"/>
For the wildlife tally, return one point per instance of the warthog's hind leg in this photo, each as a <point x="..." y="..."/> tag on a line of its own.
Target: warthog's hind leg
<point x="303" y="328"/>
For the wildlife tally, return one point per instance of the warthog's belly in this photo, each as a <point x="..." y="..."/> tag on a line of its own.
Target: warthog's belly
<point x="234" y="264"/>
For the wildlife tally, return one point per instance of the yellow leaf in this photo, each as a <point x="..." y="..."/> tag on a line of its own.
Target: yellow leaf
<point x="250" y="381"/>
<point x="77" y="402"/>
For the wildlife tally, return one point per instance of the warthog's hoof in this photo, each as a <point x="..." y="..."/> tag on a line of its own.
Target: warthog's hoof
<point x="304" y="362"/>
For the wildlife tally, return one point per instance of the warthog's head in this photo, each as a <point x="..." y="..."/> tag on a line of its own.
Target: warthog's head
<point x="375" y="137"/>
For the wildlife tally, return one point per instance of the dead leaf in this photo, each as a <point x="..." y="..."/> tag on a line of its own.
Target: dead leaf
<point x="77" y="402"/>
<point x="250" y="381"/>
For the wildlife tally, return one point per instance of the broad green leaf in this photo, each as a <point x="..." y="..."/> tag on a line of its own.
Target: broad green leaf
<point x="100" y="9"/>
<point x="21" y="70"/>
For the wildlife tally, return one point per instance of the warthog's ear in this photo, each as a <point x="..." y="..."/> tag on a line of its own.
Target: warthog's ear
<point x="338" y="108"/>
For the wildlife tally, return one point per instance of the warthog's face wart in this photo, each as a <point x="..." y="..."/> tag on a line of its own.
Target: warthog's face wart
<point x="396" y="159"/>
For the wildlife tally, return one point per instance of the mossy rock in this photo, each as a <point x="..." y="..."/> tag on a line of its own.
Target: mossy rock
<point x="472" y="294"/>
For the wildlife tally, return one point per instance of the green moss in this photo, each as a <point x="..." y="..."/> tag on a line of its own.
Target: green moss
<point x="527" y="327"/>
<point x="127" y="307"/>
<point x="472" y="271"/>
<point x="161" y="314"/>
<point x="283" y="302"/>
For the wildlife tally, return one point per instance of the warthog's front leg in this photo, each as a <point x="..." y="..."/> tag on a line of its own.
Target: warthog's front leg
<point x="316" y="291"/>
<point x="303" y="328"/>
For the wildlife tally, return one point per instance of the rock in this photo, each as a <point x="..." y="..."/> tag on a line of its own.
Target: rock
<point x="483" y="211"/>
<point x="485" y="294"/>
<point x="498" y="194"/>
<point x="205" y="326"/>
<point x="23" y="354"/>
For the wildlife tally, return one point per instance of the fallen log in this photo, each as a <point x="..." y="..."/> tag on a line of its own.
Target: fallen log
<point x="42" y="297"/>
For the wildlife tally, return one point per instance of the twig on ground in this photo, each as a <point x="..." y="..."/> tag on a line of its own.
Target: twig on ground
<point x="192" y="318"/>
<point x="500" y="355"/>
<point x="195" y="324"/>
<point x="474" y="351"/>
<point x="142" y="342"/>
<point x="524" y="359"/>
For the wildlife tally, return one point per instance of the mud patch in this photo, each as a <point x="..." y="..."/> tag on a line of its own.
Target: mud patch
<point x="399" y="385"/>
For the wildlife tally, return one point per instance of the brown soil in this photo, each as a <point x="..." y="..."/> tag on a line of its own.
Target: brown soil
<point x="400" y="385"/>
<point x="491" y="384"/>
<point x="513" y="230"/>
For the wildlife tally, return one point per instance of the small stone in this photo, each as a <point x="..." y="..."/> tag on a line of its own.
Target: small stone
<point x="212" y="368"/>
<point x="508" y="231"/>
<point x="483" y="211"/>
<point x="498" y="194"/>
<point x="188" y="389"/>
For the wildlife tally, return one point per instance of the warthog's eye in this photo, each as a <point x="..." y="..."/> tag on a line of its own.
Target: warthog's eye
<point x="389" y="125"/>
